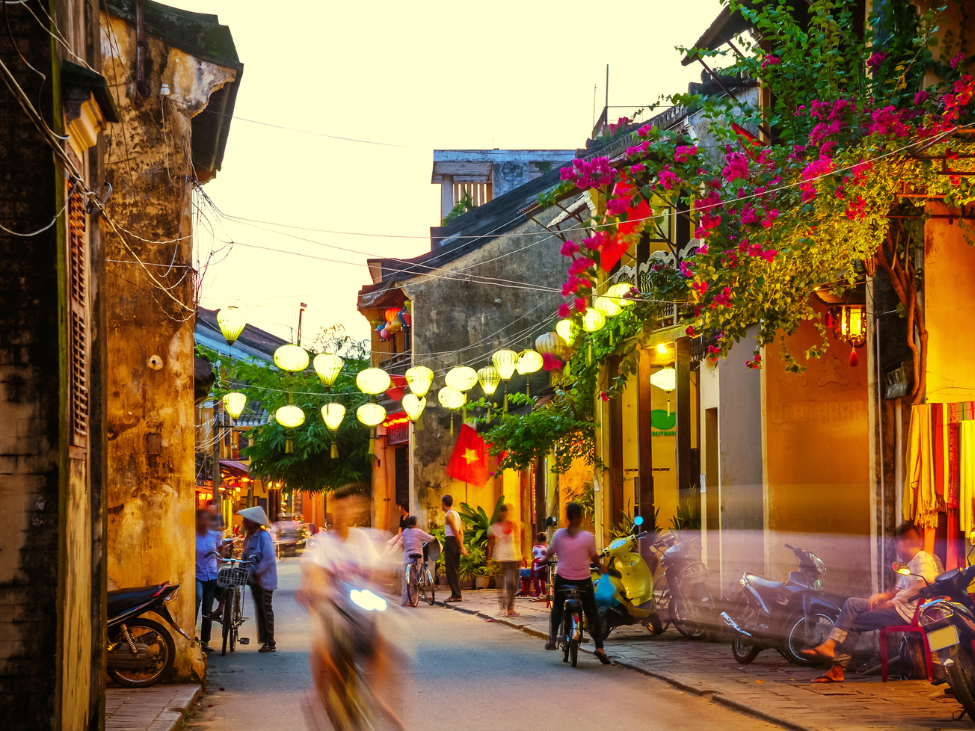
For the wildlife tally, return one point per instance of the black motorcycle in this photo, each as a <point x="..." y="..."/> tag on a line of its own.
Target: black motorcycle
<point x="786" y="615"/>
<point x="687" y="597"/>
<point x="948" y="620"/>
<point x="140" y="650"/>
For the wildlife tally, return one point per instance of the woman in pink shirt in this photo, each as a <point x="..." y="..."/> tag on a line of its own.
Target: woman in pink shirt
<point x="575" y="549"/>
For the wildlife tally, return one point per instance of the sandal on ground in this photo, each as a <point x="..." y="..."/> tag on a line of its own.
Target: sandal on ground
<point x="513" y="613"/>
<point x="603" y="657"/>
<point x="814" y="654"/>
<point x="550" y="645"/>
<point x="453" y="600"/>
<point x="268" y="648"/>
<point x="825" y="679"/>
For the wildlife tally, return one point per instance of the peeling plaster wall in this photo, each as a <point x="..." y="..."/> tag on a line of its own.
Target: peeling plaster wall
<point x="151" y="425"/>
<point x="449" y="315"/>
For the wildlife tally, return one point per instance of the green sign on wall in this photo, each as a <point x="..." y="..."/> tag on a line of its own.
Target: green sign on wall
<point x="664" y="424"/>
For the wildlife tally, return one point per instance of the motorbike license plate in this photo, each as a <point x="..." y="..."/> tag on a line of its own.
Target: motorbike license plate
<point x="942" y="638"/>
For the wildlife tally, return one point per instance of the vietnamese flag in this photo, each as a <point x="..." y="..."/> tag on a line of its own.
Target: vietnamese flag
<point x="468" y="462"/>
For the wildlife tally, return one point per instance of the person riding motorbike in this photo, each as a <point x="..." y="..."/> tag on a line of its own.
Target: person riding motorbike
<point x="576" y="550"/>
<point x="341" y="556"/>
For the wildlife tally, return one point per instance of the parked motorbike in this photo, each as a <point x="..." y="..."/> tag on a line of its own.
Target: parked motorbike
<point x="948" y="620"/>
<point x="683" y="587"/>
<point x="633" y="601"/>
<point x="788" y="616"/>
<point x="140" y="650"/>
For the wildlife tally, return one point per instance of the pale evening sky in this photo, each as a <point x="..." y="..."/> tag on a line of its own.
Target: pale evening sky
<point x="433" y="75"/>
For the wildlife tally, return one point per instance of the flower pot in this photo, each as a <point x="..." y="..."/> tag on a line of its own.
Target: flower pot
<point x="466" y="583"/>
<point x="482" y="582"/>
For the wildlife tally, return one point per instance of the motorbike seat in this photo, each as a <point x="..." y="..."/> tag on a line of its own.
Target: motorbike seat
<point x="416" y="555"/>
<point x="124" y="599"/>
<point x="758" y="581"/>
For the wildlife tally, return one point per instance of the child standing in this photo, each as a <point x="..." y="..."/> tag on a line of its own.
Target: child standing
<point x="412" y="539"/>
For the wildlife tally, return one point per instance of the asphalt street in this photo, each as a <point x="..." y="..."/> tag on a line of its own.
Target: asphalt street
<point x="458" y="672"/>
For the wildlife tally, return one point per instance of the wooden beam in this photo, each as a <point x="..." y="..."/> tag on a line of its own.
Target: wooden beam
<point x="645" y="481"/>
<point x="682" y="356"/>
<point x="615" y="487"/>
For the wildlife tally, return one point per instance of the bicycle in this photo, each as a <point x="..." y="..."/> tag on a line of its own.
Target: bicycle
<point x="570" y="633"/>
<point x="232" y="577"/>
<point x="419" y="580"/>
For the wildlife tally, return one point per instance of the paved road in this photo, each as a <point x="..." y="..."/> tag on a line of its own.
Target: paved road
<point x="464" y="674"/>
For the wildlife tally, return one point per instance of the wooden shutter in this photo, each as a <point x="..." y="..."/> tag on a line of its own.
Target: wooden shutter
<point x="77" y="321"/>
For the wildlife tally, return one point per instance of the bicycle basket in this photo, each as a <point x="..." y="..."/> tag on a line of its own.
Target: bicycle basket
<point x="231" y="576"/>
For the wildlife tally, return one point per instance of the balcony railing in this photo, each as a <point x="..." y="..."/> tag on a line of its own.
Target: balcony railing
<point x="398" y="364"/>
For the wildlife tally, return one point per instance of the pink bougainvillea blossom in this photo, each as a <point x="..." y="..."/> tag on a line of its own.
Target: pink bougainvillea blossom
<point x="603" y="396"/>
<point x="569" y="248"/>
<point x="876" y="59"/>
<point x="668" y="179"/>
<point x="564" y="310"/>
<point x="617" y="206"/>
<point x="736" y="166"/>
<point x="579" y="305"/>
<point x="771" y="61"/>
<point x="957" y="60"/>
<point x="551" y="362"/>
<point x="683" y="152"/>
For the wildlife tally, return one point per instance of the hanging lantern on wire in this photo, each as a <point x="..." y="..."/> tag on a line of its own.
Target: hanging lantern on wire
<point x="291" y="358"/>
<point x="372" y="381"/>
<point x="391" y="313"/>
<point x="850" y="327"/>
<point x="619" y="293"/>
<point x="506" y="361"/>
<point x="551" y="343"/>
<point x="413" y="405"/>
<point x="529" y="362"/>
<point x="419" y="379"/>
<point x="452" y="399"/>
<point x="371" y="415"/>
<point x="593" y="320"/>
<point x="328" y="367"/>
<point x="290" y="417"/>
<point x="489" y="378"/>
<point x="231" y="322"/>
<point x="666" y="380"/>
<point x="333" y="414"/>
<point x="234" y="403"/>
<point x="567" y="330"/>
<point x="609" y="306"/>
<point x="461" y="378"/>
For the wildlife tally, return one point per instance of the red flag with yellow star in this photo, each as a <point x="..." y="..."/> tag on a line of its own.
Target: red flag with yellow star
<point x="469" y="463"/>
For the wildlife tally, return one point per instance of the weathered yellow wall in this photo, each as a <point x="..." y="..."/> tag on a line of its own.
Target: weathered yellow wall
<point x="151" y="497"/>
<point x="816" y="451"/>
<point x="949" y="307"/>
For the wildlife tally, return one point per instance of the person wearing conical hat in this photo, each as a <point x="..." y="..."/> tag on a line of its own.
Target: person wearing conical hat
<point x="263" y="571"/>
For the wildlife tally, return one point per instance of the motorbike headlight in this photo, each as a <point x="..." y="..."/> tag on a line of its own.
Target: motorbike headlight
<point x="935" y="613"/>
<point x="171" y="596"/>
<point x="367" y="600"/>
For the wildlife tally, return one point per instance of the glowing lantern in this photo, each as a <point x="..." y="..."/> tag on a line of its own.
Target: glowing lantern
<point x="328" y="367"/>
<point x="372" y="415"/>
<point x="413" y="405"/>
<point x="850" y="327"/>
<point x="619" y="291"/>
<point x="290" y="417"/>
<point x="550" y="343"/>
<point x="529" y="362"/>
<point x="593" y="320"/>
<point x="462" y="378"/>
<point x="489" y="379"/>
<point x="231" y="323"/>
<point x="609" y="306"/>
<point x="505" y="361"/>
<point x="291" y="358"/>
<point x="372" y="381"/>
<point x="666" y="380"/>
<point x="451" y="398"/>
<point x="662" y="348"/>
<point x="234" y="403"/>
<point x="567" y="330"/>
<point x="333" y="414"/>
<point x="419" y="379"/>
<point x="391" y="314"/>
<point x="393" y="327"/>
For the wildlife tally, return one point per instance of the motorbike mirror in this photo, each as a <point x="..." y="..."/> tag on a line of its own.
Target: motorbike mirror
<point x="901" y="568"/>
<point x="638" y="520"/>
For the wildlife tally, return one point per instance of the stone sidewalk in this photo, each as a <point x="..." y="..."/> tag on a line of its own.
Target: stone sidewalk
<point x="159" y="708"/>
<point x="769" y="688"/>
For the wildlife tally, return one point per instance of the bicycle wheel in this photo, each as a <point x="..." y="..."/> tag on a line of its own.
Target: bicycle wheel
<point x="228" y="619"/>
<point x="563" y="638"/>
<point x="429" y="587"/>
<point x="235" y="629"/>
<point x="412" y="585"/>
<point x="574" y="647"/>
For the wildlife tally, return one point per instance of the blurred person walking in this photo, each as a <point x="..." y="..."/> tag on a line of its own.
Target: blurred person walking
<point x="453" y="547"/>
<point x="504" y="546"/>
<point x="207" y="549"/>
<point x="262" y="573"/>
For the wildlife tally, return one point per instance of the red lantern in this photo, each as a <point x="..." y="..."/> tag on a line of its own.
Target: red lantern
<point x="391" y="314"/>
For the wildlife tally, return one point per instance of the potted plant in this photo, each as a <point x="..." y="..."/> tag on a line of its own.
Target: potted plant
<point x="471" y="565"/>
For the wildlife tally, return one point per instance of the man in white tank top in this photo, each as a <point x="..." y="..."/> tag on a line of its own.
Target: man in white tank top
<point x="453" y="546"/>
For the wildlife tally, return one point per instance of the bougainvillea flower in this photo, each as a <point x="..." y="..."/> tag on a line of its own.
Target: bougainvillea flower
<point x="552" y="362"/>
<point x="569" y="248"/>
<point x="579" y="304"/>
<point x="564" y="310"/>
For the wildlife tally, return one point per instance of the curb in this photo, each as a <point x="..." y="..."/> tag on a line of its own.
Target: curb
<point x="177" y="709"/>
<point x="711" y="695"/>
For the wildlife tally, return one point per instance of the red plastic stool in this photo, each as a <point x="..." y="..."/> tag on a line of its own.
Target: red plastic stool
<point x="914" y="626"/>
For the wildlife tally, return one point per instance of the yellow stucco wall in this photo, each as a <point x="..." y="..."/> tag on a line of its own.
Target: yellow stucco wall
<point x="949" y="307"/>
<point x="816" y="455"/>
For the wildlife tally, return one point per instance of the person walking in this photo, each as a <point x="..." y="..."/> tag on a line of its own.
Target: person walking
<point x="263" y="571"/>
<point x="453" y="547"/>
<point x="504" y="546"/>
<point x="207" y="548"/>
<point x="412" y="540"/>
